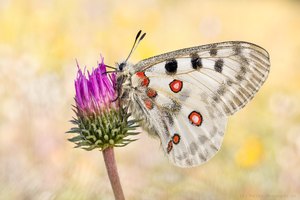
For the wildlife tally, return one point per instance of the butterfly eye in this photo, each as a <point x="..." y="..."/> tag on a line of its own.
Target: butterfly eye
<point x="122" y="66"/>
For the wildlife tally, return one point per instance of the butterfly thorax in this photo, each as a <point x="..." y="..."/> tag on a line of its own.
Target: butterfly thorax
<point x="132" y="88"/>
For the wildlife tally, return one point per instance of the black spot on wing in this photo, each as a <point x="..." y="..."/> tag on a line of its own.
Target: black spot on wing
<point x="171" y="66"/>
<point x="237" y="50"/>
<point x="196" y="61"/>
<point x="213" y="52"/>
<point x="219" y="65"/>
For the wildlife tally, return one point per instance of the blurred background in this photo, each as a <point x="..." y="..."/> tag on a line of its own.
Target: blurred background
<point x="39" y="42"/>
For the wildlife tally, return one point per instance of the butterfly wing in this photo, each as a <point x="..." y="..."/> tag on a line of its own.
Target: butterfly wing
<point x="186" y="95"/>
<point x="229" y="72"/>
<point x="191" y="132"/>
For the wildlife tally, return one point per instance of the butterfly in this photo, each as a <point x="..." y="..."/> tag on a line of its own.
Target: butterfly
<point x="186" y="96"/>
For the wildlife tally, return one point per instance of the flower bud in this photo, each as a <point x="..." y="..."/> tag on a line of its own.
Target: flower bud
<point x="100" y="120"/>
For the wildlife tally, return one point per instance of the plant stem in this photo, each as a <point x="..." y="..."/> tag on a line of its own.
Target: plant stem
<point x="112" y="171"/>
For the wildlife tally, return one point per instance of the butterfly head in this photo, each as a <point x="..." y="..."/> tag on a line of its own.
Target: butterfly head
<point x="121" y="66"/>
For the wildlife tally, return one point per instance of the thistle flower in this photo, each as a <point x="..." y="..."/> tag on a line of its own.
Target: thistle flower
<point x="100" y="121"/>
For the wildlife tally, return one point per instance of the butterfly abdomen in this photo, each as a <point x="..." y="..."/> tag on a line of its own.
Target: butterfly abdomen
<point x="140" y="99"/>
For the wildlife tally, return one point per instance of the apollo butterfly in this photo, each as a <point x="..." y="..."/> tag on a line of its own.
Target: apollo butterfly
<point x="185" y="96"/>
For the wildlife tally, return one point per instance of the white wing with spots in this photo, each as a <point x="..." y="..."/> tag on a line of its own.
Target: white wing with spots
<point x="191" y="129"/>
<point x="198" y="122"/>
<point x="230" y="72"/>
<point x="185" y="96"/>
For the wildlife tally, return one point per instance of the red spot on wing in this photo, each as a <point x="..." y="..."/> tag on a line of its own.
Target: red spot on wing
<point x="195" y="118"/>
<point x="170" y="146"/>
<point x="176" y="85"/>
<point x="176" y="138"/>
<point x="140" y="74"/>
<point x="144" y="79"/>
<point x="151" y="93"/>
<point x="145" y="82"/>
<point x="148" y="103"/>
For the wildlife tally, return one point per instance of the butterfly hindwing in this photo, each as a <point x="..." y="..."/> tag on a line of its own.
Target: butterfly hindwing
<point x="190" y="132"/>
<point x="196" y="120"/>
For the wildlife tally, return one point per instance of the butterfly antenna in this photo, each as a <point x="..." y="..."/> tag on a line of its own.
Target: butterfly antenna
<point x="110" y="67"/>
<point x="109" y="72"/>
<point x="142" y="37"/>
<point x="136" y="42"/>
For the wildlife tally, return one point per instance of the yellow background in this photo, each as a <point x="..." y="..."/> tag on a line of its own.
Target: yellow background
<point x="39" y="42"/>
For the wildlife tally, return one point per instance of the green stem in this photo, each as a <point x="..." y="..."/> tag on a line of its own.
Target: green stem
<point x="112" y="171"/>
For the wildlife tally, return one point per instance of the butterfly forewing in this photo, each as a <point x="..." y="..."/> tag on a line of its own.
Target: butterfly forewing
<point x="185" y="96"/>
<point x="232" y="71"/>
